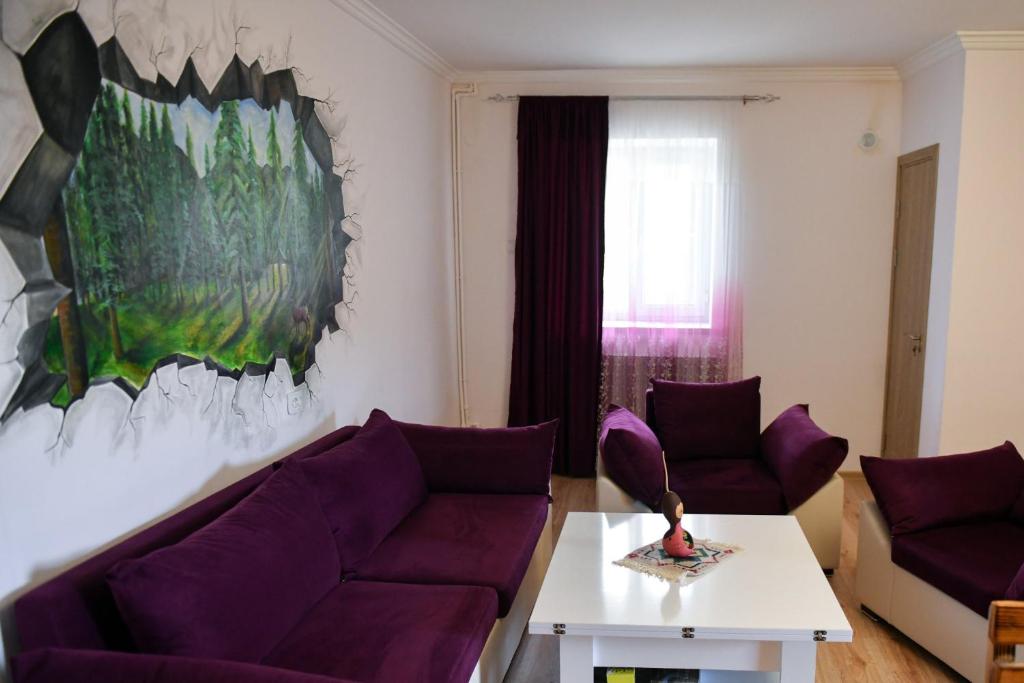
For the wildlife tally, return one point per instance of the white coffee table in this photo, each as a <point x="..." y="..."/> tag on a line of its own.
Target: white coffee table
<point x="764" y="610"/>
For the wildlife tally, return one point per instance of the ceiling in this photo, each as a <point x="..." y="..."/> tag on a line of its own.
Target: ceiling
<point x="476" y="35"/>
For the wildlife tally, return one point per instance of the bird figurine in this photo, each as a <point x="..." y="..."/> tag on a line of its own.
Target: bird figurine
<point x="677" y="541"/>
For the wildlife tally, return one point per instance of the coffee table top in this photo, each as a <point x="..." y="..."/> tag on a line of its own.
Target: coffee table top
<point x="773" y="589"/>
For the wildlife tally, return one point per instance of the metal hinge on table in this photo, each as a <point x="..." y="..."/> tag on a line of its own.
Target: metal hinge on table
<point x="820" y="636"/>
<point x="687" y="632"/>
<point x="558" y="629"/>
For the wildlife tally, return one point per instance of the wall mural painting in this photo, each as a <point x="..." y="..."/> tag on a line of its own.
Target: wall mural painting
<point x="189" y="224"/>
<point x="191" y="232"/>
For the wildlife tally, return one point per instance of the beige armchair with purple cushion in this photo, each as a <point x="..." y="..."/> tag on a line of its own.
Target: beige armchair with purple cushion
<point x="719" y="461"/>
<point x="942" y="540"/>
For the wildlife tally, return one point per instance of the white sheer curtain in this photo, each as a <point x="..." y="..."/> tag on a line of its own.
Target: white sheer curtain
<point x="672" y="221"/>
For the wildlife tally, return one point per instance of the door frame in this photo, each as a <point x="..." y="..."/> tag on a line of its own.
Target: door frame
<point x="930" y="152"/>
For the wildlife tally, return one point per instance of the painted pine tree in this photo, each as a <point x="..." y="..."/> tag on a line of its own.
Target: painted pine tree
<point x="231" y="190"/>
<point x="274" y="197"/>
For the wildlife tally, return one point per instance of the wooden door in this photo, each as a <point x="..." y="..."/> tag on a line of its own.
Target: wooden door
<point x="908" y="306"/>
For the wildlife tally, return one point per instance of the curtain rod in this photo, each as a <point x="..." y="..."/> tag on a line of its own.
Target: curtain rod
<point x="766" y="99"/>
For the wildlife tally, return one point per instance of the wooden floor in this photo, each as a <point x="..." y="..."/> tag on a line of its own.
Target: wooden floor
<point x="878" y="654"/>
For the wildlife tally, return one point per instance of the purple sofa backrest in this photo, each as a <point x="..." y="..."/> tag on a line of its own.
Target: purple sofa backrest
<point x="652" y="422"/>
<point x="76" y="609"/>
<point x="914" y="494"/>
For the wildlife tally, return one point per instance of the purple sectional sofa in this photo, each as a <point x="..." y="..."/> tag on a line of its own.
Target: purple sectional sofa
<point x="390" y="552"/>
<point x="719" y="461"/>
<point x="943" y="538"/>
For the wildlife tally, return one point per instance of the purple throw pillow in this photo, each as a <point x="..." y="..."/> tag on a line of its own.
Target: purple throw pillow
<point x="474" y="460"/>
<point x="801" y="456"/>
<point x="720" y="420"/>
<point x="632" y="455"/>
<point x="922" y="493"/>
<point x="367" y="486"/>
<point x="234" y="588"/>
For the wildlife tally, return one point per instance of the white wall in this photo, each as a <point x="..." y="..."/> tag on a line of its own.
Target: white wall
<point x="932" y="109"/>
<point x="984" y="388"/>
<point x="816" y="277"/>
<point x="65" y="494"/>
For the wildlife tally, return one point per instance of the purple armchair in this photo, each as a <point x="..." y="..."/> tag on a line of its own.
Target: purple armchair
<point x="720" y="462"/>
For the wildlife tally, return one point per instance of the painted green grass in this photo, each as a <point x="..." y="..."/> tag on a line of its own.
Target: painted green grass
<point x="151" y="332"/>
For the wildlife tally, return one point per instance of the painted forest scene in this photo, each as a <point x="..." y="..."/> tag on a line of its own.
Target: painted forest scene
<point x="192" y="232"/>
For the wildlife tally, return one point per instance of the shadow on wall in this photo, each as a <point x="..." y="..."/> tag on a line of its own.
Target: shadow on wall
<point x="225" y="476"/>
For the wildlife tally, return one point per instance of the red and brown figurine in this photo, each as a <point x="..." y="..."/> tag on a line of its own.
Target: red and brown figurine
<point x="677" y="541"/>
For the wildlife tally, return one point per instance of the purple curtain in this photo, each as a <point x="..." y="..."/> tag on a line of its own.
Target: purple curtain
<point x="556" y="346"/>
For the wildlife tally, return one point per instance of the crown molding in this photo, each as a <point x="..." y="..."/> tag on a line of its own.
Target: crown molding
<point x="959" y="43"/>
<point x="991" y="40"/>
<point x="686" y="75"/>
<point x="393" y="32"/>
<point x="933" y="54"/>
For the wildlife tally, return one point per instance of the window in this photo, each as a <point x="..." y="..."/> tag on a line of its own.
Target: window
<point x="673" y="211"/>
<point x="662" y="215"/>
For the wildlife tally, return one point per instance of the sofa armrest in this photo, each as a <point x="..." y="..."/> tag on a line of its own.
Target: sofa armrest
<point x="875" y="570"/>
<point x="800" y="454"/>
<point x="58" y="665"/>
<point x="474" y="460"/>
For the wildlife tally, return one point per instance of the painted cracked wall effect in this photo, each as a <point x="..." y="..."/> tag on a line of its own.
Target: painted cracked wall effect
<point x="176" y="233"/>
<point x="190" y="424"/>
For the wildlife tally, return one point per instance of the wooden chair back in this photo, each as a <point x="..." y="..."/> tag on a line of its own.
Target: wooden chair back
<point x="1005" y="633"/>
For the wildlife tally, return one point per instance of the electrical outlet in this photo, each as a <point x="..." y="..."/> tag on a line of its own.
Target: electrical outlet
<point x="297" y="399"/>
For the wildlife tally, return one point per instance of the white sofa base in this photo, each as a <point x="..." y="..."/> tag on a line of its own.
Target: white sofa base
<point x="504" y="639"/>
<point x="820" y="516"/>
<point x="952" y="632"/>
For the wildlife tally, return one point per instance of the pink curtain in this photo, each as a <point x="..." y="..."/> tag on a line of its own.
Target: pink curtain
<point x="672" y="216"/>
<point x="631" y="357"/>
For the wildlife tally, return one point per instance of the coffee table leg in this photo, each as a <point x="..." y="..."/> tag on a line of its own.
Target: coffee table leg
<point x="576" y="658"/>
<point x="798" y="660"/>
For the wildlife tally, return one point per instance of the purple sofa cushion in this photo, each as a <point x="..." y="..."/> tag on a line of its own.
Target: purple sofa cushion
<point x="472" y="460"/>
<point x="972" y="563"/>
<point x="384" y="632"/>
<point x="55" y="665"/>
<point x="463" y="539"/>
<point x="632" y="455"/>
<point x="709" y="420"/>
<point x="922" y="493"/>
<point x="76" y="609"/>
<point x="800" y="455"/>
<point x="234" y="588"/>
<point x="728" y="486"/>
<point x="366" y="486"/>
<point x="1016" y="589"/>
